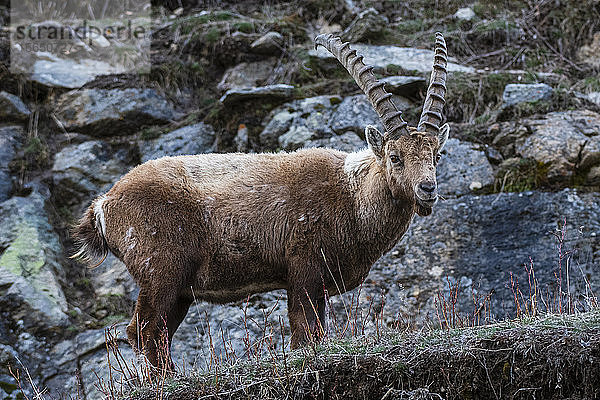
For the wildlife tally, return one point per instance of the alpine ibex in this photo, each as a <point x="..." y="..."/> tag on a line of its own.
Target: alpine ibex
<point x="219" y="227"/>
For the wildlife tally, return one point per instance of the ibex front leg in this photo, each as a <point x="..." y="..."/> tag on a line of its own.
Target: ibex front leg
<point x="306" y="305"/>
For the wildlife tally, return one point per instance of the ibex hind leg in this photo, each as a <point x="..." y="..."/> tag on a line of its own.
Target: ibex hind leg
<point x="159" y="311"/>
<point x="142" y="330"/>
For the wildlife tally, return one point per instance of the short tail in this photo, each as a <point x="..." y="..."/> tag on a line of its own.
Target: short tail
<point x="90" y="235"/>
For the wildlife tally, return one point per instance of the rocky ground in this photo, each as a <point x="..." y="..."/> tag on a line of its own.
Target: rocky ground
<point x="518" y="229"/>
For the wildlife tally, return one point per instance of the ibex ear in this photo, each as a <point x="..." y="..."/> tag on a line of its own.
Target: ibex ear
<point x="375" y="140"/>
<point x="443" y="135"/>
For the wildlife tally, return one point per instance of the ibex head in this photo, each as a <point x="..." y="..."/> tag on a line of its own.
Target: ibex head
<point x="408" y="156"/>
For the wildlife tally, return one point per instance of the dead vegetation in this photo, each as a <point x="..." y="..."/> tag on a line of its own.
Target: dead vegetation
<point x="550" y="357"/>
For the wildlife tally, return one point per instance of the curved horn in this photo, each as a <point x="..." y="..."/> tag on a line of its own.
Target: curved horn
<point x="431" y="118"/>
<point x="363" y="75"/>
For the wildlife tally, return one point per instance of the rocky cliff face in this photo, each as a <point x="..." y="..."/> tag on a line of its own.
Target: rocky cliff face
<point x="520" y="214"/>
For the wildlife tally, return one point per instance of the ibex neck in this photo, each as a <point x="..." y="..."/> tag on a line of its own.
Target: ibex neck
<point x="382" y="218"/>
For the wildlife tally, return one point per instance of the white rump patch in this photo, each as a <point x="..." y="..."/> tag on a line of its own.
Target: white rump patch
<point x="357" y="161"/>
<point x="99" y="213"/>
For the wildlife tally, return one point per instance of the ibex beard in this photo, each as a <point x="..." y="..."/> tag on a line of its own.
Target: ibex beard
<point x="219" y="227"/>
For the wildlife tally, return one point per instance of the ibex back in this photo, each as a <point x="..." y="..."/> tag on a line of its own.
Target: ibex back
<point x="219" y="227"/>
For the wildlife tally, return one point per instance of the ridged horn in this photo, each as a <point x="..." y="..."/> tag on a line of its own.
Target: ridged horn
<point x="431" y="117"/>
<point x="364" y="77"/>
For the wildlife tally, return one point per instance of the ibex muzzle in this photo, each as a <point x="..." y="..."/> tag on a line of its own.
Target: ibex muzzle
<point x="219" y="227"/>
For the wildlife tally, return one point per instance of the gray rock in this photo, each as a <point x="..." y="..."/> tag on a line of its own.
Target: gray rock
<point x="380" y="57"/>
<point x="517" y="93"/>
<point x="368" y="24"/>
<point x="297" y="136"/>
<point x="404" y="85"/>
<point x="9" y="387"/>
<point x="86" y="354"/>
<point x="241" y="140"/>
<point x="294" y="123"/>
<point x="193" y="139"/>
<point x="56" y="72"/>
<point x="493" y="155"/>
<point x="30" y="267"/>
<point x="348" y="142"/>
<point x="483" y="240"/>
<point x="271" y="43"/>
<point x="462" y="169"/>
<point x="305" y="122"/>
<point x="311" y="119"/>
<point x="107" y="112"/>
<point x="464" y="14"/>
<point x="242" y="328"/>
<point x="10" y="140"/>
<point x="353" y="114"/>
<point x="95" y="366"/>
<point x="593" y="176"/>
<point x="248" y="75"/>
<point x="594" y="97"/>
<point x="12" y="108"/>
<point x="567" y="141"/>
<point x="72" y="69"/>
<point x="81" y="171"/>
<point x="111" y="278"/>
<point x="279" y="121"/>
<point x="590" y="54"/>
<point x="264" y="93"/>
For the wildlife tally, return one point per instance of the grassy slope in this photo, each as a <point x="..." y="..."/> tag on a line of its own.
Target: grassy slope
<point x="551" y="357"/>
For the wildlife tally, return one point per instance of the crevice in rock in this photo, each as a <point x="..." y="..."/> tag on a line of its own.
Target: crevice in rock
<point x="580" y="155"/>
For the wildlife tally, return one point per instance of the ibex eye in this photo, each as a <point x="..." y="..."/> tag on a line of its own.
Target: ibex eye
<point x="395" y="159"/>
<point x="437" y="158"/>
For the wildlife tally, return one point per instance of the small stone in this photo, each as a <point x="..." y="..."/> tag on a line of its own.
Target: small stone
<point x="264" y="93"/>
<point x="493" y="155"/>
<point x="465" y="14"/>
<point x="96" y="39"/>
<point x="86" y="169"/>
<point x="594" y="97"/>
<point x="241" y="138"/>
<point x="270" y="43"/>
<point x="248" y="75"/>
<point x="404" y="85"/>
<point x="353" y="114"/>
<point x="290" y="126"/>
<point x="475" y="185"/>
<point x="193" y="139"/>
<point x="296" y="137"/>
<point x="516" y="93"/>
<point x="368" y="24"/>
<point x="348" y="142"/>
